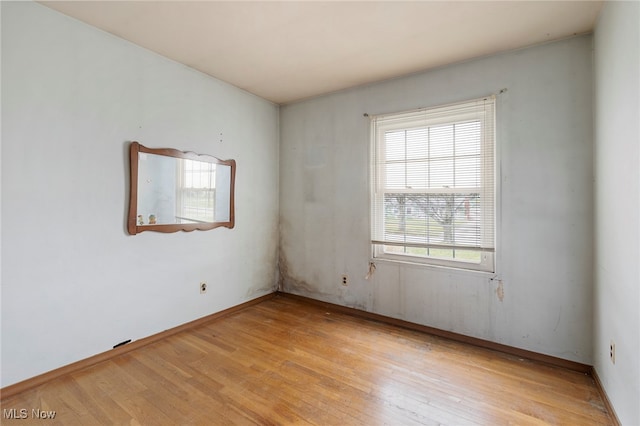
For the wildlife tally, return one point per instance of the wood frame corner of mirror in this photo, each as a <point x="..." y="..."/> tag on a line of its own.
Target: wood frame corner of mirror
<point x="173" y="190"/>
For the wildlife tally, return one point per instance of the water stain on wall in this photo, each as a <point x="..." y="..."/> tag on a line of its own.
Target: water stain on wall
<point x="266" y="275"/>
<point x="500" y="290"/>
<point x="265" y="289"/>
<point x="286" y="282"/>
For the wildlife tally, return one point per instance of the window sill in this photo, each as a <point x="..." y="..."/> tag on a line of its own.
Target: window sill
<point x="435" y="268"/>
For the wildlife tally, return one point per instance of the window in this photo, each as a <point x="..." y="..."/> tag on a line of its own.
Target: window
<point x="433" y="186"/>
<point x="196" y="191"/>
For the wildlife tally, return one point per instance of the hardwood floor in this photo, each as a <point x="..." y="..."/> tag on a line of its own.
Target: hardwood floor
<point x="287" y="362"/>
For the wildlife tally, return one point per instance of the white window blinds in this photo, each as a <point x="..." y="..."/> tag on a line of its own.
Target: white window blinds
<point x="433" y="185"/>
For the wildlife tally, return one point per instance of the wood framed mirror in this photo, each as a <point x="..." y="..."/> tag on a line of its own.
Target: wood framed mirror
<point x="174" y="190"/>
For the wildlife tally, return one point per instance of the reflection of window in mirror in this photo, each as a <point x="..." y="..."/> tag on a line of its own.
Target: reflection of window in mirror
<point x="196" y="191"/>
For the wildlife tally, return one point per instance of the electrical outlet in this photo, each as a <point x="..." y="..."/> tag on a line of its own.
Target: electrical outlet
<point x="203" y="287"/>
<point x="612" y="351"/>
<point x="345" y="280"/>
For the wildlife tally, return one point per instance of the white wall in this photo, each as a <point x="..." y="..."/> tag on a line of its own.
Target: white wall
<point x="545" y="232"/>
<point x="617" y="202"/>
<point x="74" y="283"/>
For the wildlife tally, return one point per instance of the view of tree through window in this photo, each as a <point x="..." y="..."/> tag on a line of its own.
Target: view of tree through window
<point x="434" y="185"/>
<point x="447" y="219"/>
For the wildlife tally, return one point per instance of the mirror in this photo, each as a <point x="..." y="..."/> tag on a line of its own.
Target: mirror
<point x="174" y="191"/>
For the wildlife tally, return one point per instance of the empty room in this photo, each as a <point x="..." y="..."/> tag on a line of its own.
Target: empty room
<point x="320" y="212"/>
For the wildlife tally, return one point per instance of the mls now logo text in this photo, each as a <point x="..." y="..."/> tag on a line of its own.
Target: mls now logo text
<point x="23" y="413"/>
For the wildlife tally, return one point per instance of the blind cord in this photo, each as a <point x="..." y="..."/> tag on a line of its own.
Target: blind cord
<point x="372" y="269"/>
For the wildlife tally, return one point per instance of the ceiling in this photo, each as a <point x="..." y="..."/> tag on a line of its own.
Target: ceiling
<point x="285" y="51"/>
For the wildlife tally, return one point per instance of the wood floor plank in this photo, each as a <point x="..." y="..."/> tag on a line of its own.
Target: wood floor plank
<point x="286" y="362"/>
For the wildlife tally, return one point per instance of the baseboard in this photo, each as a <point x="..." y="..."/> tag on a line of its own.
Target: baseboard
<point x="607" y="402"/>
<point x="522" y="353"/>
<point x="27" y="384"/>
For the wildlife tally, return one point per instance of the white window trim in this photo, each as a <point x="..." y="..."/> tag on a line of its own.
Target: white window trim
<point x="488" y="190"/>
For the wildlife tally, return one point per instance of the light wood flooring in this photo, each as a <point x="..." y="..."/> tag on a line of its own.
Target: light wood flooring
<point x="287" y="362"/>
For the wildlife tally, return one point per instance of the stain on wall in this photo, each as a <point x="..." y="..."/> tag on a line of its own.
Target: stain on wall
<point x="500" y="290"/>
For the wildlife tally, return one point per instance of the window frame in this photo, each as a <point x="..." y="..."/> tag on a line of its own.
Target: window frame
<point x="430" y="117"/>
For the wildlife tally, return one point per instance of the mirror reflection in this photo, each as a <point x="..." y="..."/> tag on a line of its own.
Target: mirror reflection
<point x="177" y="190"/>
